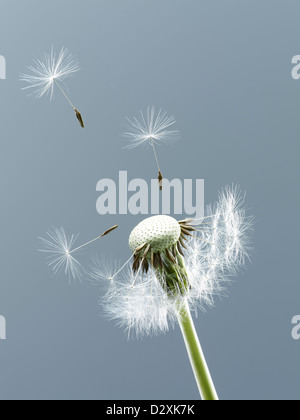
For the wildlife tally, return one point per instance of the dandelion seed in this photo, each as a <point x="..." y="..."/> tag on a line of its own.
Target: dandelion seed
<point x="151" y="129"/>
<point x="108" y="270"/>
<point x="50" y="72"/>
<point x="79" y="118"/>
<point x="61" y="250"/>
<point x="58" y="246"/>
<point x="179" y="266"/>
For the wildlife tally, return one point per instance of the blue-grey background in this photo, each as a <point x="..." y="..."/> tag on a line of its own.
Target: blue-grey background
<point x="224" y="69"/>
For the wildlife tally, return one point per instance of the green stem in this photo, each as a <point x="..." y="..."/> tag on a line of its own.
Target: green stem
<point x="197" y="359"/>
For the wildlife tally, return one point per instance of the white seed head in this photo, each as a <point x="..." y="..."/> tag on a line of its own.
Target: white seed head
<point x="52" y="67"/>
<point x="150" y="127"/>
<point x="160" y="232"/>
<point x="58" y="247"/>
<point x="215" y="247"/>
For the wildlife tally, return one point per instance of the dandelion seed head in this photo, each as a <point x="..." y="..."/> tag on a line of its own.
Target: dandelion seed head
<point x="161" y="232"/>
<point x="146" y="298"/>
<point x="52" y="67"/>
<point x="150" y="126"/>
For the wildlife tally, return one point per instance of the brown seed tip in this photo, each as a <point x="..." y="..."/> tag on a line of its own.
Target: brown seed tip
<point x="110" y="230"/>
<point x="160" y="181"/>
<point x="79" y="118"/>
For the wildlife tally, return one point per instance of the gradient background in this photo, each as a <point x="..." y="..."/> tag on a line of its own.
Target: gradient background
<point x="224" y="69"/>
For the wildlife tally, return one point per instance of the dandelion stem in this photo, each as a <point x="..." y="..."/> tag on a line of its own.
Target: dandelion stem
<point x="84" y="245"/>
<point x="155" y="154"/>
<point x="122" y="268"/>
<point x="93" y="240"/>
<point x="160" y="176"/>
<point x="64" y="93"/>
<point x="138" y="272"/>
<point x="202" y="375"/>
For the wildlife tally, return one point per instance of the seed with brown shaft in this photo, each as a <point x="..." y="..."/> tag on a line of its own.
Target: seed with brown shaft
<point x="170" y="257"/>
<point x="79" y="118"/>
<point x="180" y="249"/>
<point x="160" y="181"/>
<point x="110" y="230"/>
<point x="185" y="232"/>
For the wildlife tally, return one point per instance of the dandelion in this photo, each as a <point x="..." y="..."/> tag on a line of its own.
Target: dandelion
<point x="61" y="250"/>
<point x="178" y="267"/>
<point x="49" y="72"/>
<point x="154" y="128"/>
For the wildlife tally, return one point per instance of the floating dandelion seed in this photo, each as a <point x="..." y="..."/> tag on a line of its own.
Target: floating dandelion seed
<point x="61" y="249"/>
<point x="178" y="266"/>
<point x="49" y="72"/>
<point x="105" y="269"/>
<point x="152" y="128"/>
